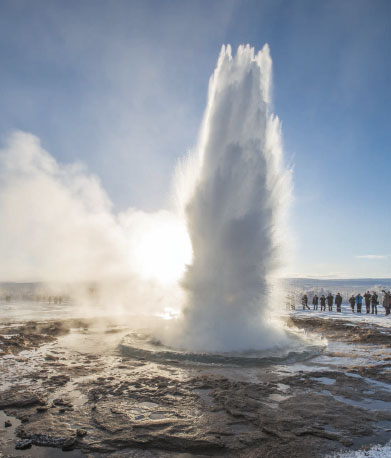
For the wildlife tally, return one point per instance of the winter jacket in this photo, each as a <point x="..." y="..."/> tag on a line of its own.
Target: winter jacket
<point x="367" y="297"/>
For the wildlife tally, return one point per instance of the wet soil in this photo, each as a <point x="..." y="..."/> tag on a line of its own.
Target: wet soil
<point x="67" y="390"/>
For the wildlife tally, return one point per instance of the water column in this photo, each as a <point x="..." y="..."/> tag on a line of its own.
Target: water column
<point x="235" y="211"/>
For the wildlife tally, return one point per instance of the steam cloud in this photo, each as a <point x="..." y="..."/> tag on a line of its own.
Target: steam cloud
<point x="57" y="226"/>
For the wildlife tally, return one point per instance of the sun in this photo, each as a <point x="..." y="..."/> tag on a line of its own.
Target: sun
<point x="163" y="249"/>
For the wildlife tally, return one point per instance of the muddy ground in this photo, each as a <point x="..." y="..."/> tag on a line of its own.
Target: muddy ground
<point x="66" y="390"/>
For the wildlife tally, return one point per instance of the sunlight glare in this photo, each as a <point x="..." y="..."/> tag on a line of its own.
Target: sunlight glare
<point x="163" y="251"/>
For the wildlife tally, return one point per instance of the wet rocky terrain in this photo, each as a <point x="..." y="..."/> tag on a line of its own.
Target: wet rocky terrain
<point x="67" y="390"/>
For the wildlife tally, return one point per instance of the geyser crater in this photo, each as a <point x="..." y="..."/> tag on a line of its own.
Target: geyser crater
<point x="143" y="344"/>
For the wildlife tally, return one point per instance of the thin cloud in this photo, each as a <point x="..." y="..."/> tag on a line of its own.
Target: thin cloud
<point x="373" y="256"/>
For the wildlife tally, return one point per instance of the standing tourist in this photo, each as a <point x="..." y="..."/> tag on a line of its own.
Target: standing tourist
<point x="304" y="301"/>
<point x="374" y="302"/>
<point x="322" y="303"/>
<point x="367" y="298"/>
<point x="338" y="302"/>
<point x="386" y="301"/>
<point x="352" y="301"/>
<point x="315" y="300"/>
<point x="330" y="302"/>
<point x="359" y="302"/>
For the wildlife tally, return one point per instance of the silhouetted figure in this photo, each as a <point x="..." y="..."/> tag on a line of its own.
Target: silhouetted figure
<point x="359" y="302"/>
<point x="322" y="303"/>
<point x="386" y="301"/>
<point x="374" y="302"/>
<point x="367" y="298"/>
<point x="352" y="301"/>
<point x="315" y="301"/>
<point x="304" y="301"/>
<point x="338" y="302"/>
<point x="330" y="302"/>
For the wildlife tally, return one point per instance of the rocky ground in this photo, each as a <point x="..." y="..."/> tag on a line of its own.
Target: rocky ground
<point x="65" y="388"/>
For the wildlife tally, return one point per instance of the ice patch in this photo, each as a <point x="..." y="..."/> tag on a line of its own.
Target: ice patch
<point x="377" y="451"/>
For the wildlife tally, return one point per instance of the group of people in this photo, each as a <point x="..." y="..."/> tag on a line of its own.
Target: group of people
<point x="371" y="302"/>
<point x="29" y="297"/>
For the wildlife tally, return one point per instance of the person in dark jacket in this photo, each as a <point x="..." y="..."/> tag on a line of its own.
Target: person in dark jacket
<point x="352" y="301"/>
<point x="338" y="302"/>
<point x="304" y="301"/>
<point x="330" y="302"/>
<point x="322" y="303"/>
<point x="386" y="301"/>
<point x="359" y="302"/>
<point x="315" y="301"/>
<point x="367" y="298"/>
<point x="374" y="302"/>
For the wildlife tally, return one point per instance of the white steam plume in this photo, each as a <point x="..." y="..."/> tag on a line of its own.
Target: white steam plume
<point x="57" y="226"/>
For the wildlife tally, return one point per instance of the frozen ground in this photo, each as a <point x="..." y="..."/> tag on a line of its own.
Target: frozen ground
<point x="380" y="319"/>
<point x="66" y="385"/>
<point x="378" y="451"/>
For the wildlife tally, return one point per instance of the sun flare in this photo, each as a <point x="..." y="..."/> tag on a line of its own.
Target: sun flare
<point x="163" y="250"/>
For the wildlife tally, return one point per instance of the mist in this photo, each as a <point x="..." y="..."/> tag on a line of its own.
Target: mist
<point x="57" y="226"/>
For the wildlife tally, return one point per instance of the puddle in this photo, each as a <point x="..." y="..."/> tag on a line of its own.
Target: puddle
<point x="366" y="404"/>
<point x="370" y="381"/>
<point x="7" y="434"/>
<point x="8" y="439"/>
<point x="277" y="397"/>
<point x="69" y="392"/>
<point x="147" y="405"/>
<point x="330" y="429"/>
<point x="93" y="340"/>
<point x="239" y="428"/>
<point x="283" y="387"/>
<point x="205" y="396"/>
<point x="157" y="416"/>
<point x="297" y="368"/>
<point x="324" y="380"/>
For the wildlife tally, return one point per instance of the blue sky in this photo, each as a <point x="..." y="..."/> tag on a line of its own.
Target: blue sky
<point x="121" y="85"/>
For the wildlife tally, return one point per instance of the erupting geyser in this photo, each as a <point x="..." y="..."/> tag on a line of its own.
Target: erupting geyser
<point x="234" y="212"/>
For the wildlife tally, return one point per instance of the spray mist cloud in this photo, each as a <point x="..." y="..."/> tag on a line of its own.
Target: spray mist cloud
<point x="57" y="226"/>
